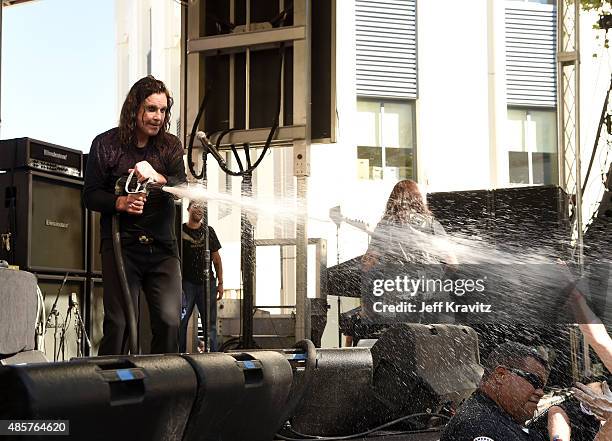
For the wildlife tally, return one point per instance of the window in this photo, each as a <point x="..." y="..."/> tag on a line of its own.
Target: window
<point x="386" y="140"/>
<point x="532" y="147"/>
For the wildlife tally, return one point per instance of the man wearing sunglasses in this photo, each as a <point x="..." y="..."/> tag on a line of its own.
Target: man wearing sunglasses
<point x="508" y="395"/>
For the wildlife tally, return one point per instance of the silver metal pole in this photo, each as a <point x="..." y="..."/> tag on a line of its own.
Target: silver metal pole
<point x="301" y="153"/>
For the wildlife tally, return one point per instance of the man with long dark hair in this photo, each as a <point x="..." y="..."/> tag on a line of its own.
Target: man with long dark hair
<point x="143" y="145"/>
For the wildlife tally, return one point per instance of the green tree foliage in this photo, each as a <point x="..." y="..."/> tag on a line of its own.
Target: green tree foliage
<point x="602" y="6"/>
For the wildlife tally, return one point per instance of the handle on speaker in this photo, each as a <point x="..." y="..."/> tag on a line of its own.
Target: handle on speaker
<point x="252" y="369"/>
<point x="126" y="382"/>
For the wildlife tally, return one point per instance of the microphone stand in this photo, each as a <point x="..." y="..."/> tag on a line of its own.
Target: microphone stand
<point x="81" y="331"/>
<point x="55" y="314"/>
<point x="336" y="216"/>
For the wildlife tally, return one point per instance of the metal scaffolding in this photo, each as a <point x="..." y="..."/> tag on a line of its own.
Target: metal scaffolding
<point x="568" y="114"/>
<point x="252" y="37"/>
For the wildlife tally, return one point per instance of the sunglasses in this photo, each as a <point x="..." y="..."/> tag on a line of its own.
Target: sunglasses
<point x="532" y="378"/>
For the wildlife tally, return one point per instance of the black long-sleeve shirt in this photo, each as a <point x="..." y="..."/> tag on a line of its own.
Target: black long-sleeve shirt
<point x="109" y="161"/>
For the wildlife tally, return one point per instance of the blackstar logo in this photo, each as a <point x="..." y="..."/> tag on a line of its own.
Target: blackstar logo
<point x="54" y="154"/>
<point x="51" y="223"/>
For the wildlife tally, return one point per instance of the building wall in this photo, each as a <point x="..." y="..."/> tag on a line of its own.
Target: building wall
<point x="461" y="127"/>
<point x="145" y="26"/>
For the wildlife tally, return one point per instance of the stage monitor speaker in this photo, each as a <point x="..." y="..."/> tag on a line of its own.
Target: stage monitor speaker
<point x="18" y="304"/>
<point x="409" y="369"/>
<point x="45" y="218"/>
<point x="66" y="330"/>
<point x="240" y="396"/>
<point x="424" y="366"/>
<point x="338" y="399"/>
<point x="267" y="378"/>
<point x="104" y="398"/>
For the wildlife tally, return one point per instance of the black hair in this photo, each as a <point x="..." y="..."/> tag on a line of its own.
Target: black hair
<point x="139" y="92"/>
<point x="512" y="355"/>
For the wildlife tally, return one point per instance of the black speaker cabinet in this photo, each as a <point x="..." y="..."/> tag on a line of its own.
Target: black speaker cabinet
<point x="533" y="219"/>
<point x="73" y="341"/>
<point x="465" y="213"/>
<point x="94" y="259"/>
<point x="45" y="218"/>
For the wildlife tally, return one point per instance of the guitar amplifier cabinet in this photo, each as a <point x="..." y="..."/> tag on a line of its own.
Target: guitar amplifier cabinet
<point x="42" y="222"/>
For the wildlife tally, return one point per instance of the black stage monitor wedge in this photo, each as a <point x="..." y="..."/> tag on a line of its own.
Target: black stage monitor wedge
<point x="241" y="396"/>
<point x="43" y="217"/>
<point x="339" y="398"/>
<point x="220" y="387"/>
<point x="411" y="368"/>
<point x="146" y="398"/>
<point x="424" y="366"/>
<point x="39" y="155"/>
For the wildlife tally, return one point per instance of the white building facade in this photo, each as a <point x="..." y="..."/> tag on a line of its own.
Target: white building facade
<point x="454" y="97"/>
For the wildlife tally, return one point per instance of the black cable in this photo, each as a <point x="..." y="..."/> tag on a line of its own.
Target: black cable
<point x="368" y="432"/>
<point x="280" y="19"/>
<point x="227" y="345"/>
<point x="237" y="157"/>
<point x="130" y="315"/>
<point x="247" y="153"/>
<point x="373" y="435"/>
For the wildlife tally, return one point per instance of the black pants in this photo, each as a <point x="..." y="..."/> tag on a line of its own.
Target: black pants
<point x="154" y="269"/>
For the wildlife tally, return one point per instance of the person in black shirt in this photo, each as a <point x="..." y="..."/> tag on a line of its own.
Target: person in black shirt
<point x="511" y="387"/>
<point x="193" y="273"/>
<point x="140" y="144"/>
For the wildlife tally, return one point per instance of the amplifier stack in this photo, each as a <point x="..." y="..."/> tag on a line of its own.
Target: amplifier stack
<point x="44" y="230"/>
